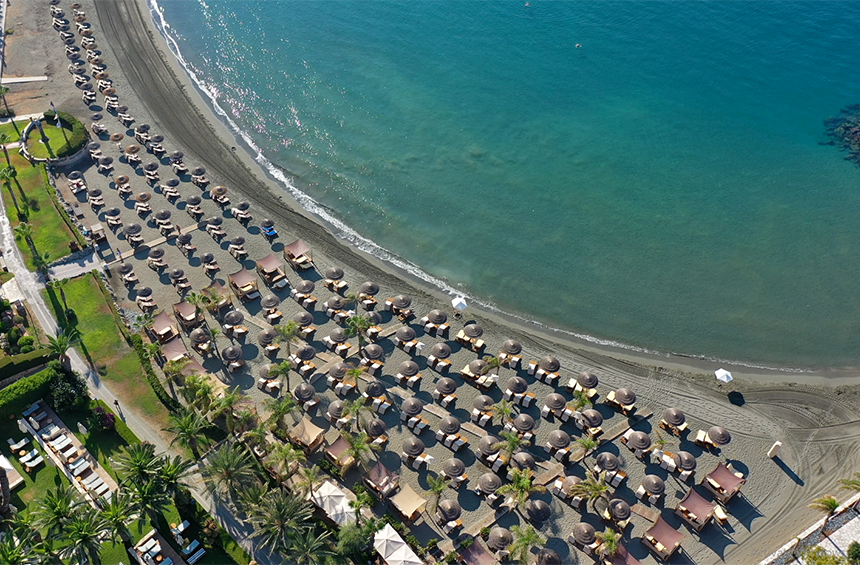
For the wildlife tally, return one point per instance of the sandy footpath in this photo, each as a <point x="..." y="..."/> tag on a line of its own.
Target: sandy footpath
<point x="819" y="425"/>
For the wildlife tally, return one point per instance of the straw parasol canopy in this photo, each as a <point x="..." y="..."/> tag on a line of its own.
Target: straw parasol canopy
<point x="487" y="445"/>
<point x="122" y="179"/>
<point x="97" y="60"/>
<point x="450" y="510"/>
<point x="172" y="183"/>
<point x="304" y="319"/>
<point x="265" y="371"/>
<point x="334" y="273"/>
<point x="156" y="253"/>
<point x="674" y="417"/>
<point x="158" y="138"/>
<point x="524" y="423"/>
<point x="559" y="439"/>
<point x="587" y="379"/>
<point x="568" y="483"/>
<point x="592" y="418"/>
<point x="608" y="461"/>
<point x="408" y="368"/>
<point x="369" y="288"/>
<point x="198" y="171"/>
<point x="117" y="137"/>
<point x="267" y="223"/>
<point x="219" y="190"/>
<point x="374" y="352"/>
<point x="304" y="392"/>
<point x="94" y="146"/>
<point x="113" y="212"/>
<point x="548" y="557"/>
<point x="238" y="241"/>
<point x="374" y="389"/>
<point x="85" y="86"/>
<point x="684" y="460"/>
<point x="375" y="318"/>
<point x="338" y="335"/>
<point x="243" y="206"/>
<point x="549" y="364"/>
<point x="177" y="155"/>
<point x="270" y="301"/>
<point x="538" y="510"/>
<point x="132" y="149"/>
<point x="143" y="196"/>
<point x="200" y="335"/>
<point x="120" y="109"/>
<point x="401" y="301"/>
<point x="267" y="337"/>
<point x="338" y="370"/>
<point x="473" y="330"/>
<point x="143" y="128"/>
<point x="101" y="75"/>
<point x="412" y="406"/>
<point x="555" y="401"/>
<point x="105" y="160"/>
<point x="306" y="353"/>
<point x="81" y="71"/>
<point x="478" y="366"/>
<point x="177" y="275"/>
<point x="625" y="396"/>
<point x="440" y="351"/>
<point x="75" y="175"/>
<point x="132" y="229"/>
<point x="584" y="533"/>
<point x="453" y="467"/>
<point x="144" y="292"/>
<point x="639" y="440"/>
<point x="305" y="287"/>
<point x="512" y="347"/>
<point x="413" y="446"/>
<point x="208" y="258"/>
<point x="437" y="317"/>
<point x="449" y="425"/>
<point x="336" y="303"/>
<point x="619" y="510"/>
<point x="95" y="117"/>
<point x="405" y="334"/>
<point x="517" y="385"/>
<point x="193" y="200"/>
<point x="162" y="215"/>
<point x="234" y="318"/>
<point x="483" y="403"/>
<point x="719" y="436"/>
<point x="523" y="460"/>
<point x="653" y="485"/>
<point x="95" y="193"/>
<point x="184" y="238"/>
<point x="125" y="268"/>
<point x="446" y="385"/>
<point x="375" y="427"/>
<point x="500" y="538"/>
<point x="232" y="353"/>
<point x="489" y="483"/>
<point x="335" y="409"/>
<point x="215" y="221"/>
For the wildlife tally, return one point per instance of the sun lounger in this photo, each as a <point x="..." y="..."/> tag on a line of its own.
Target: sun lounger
<point x="28" y="456"/>
<point x="50" y="432"/>
<point x="196" y="557"/>
<point x="60" y="443"/>
<point x="33" y="463"/>
<point x="17" y="446"/>
<point x="91" y="480"/>
<point x="81" y="468"/>
<point x="40" y="416"/>
<point x="30" y="410"/>
<point x="190" y="548"/>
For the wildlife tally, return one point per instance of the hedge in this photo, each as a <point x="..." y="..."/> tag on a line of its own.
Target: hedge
<point x="79" y="132"/>
<point x="117" y="318"/>
<point x="169" y="402"/>
<point x="14" y="364"/>
<point x="18" y="396"/>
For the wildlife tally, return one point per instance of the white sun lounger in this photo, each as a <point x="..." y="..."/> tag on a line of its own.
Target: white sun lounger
<point x="16" y="446"/>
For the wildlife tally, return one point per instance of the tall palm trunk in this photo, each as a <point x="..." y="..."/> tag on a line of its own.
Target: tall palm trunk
<point x="5" y="494"/>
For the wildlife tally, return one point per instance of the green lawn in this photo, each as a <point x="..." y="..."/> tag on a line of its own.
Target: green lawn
<point x="6" y="276"/>
<point x="9" y="129"/>
<point x="57" y="140"/>
<point x="104" y="346"/>
<point x="32" y="196"/>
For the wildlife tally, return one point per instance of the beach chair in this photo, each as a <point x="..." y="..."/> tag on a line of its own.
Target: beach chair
<point x="270" y="233"/>
<point x="33" y="463"/>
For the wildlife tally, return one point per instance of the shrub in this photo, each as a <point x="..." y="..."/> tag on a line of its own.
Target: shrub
<point x="412" y="541"/>
<point x="78" y="136"/>
<point x="26" y="340"/>
<point x="68" y="391"/>
<point x="101" y="420"/>
<point x="854" y="553"/>
<point x="18" y="396"/>
<point x="451" y="557"/>
<point x="467" y="543"/>
<point x="328" y="467"/>
<point x="818" y="556"/>
<point x="26" y="348"/>
<point x="485" y="532"/>
<point x="14" y="335"/>
<point x="15" y="364"/>
<point x="143" y="355"/>
<point x="17" y="320"/>
<point x="433" y="542"/>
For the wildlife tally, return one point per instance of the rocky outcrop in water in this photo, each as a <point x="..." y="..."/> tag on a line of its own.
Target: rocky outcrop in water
<point x="844" y="132"/>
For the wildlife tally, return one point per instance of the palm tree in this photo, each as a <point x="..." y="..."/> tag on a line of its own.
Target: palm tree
<point x="308" y="479"/>
<point x="357" y="326"/>
<point x="279" y="408"/>
<point x="492" y="363"/>
<point x="61" y="344"/>
<point x="173" y="369"/>
<point x="7" y="174"/>
<point x="525" y="538"/>
<point x="139" y="463"/>
<point x="593" y="487"/>
<point x="283" y="460"/>
<point x="310" y="548"/>
<point x="226" y="406"/>
<point x="56" y="509"/>
<point x="151" y="499"/>
<point x="254" y="497"/>
<point x="15" y="550"/>
<point x="851" y="484"/>
<point x="827" y="505"/>
<point x="199" y="393"/>
<point x="511" y="443"/>
<point x="502" y="411"/>
<point x="118" y="512"/>
<point x="229" y="470"/>
<point x="361" y="447"/>
<point x="199" y="300"/>
<point x="85" y="532"/>
<point x="609" y="542"/>
<point x="25" y="231"/>
<point x="59" y="286"/>
<point x="174" y="474"/>
<point x="521" y="487"/>
<point x="4" y="90"/>
<point x="256" y="437"/>
<point x="282" y="371"/>
<point x="188" y="428"/>
<point x="287" y="333"/>
<point x="586" y="444"/>
<point x="5" y="493"/>
<point x="363" y="499"/>
<point x="357" y="409"/>
<point x="282" y="517"/>
<point x="437" y="484"/>
<point x="4" y="139"/>
<point x="580" y="401"/>
<point x="354" y="373"/>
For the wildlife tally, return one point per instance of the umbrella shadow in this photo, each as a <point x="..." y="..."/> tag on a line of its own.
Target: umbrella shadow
<point x="743" y="510"/>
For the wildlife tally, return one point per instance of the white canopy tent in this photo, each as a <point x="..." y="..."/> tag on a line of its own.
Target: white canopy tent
<point x="334" y="503"/>
<point x="459" y="303"/>
<point x="388" y="543"/>
<point x="723" y="376"/>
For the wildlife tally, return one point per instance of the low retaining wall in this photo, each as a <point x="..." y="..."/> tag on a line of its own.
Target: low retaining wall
<point x="67" y="161"/>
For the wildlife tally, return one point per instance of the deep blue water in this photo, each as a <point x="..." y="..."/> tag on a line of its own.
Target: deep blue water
<point x="663" y="185"/>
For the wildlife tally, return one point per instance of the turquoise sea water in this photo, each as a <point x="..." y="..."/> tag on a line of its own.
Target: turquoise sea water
<point x="662" y="186"/>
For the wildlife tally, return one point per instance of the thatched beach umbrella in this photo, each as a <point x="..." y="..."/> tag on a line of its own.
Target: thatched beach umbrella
<point x="437" y="316"/>
<point x="523" y="460"/>
<point x="113" y="212"/>
<point x="375" y="427"/>
<point x="143" y="197"/>
<point x="487" y="445"/>
<point x="500" y="538"/>
<point x="125" y="268"/>
<point x="132" y="229"/>
<point x="122" y="109"/>
<point x="303" y="319"/>
<point x="405" y="334"/>
<point x="267" y="223"/>
<point x="473" y="331"/>
<point x="116" y="137"/>
<point x="94" y="146"/>
<point x="270" y="301"/>
<point x="674" y="417"/>
<point x="172" y="183"/>
<point x="592" y="418"/>
<point x="412" y="406"/>
<point x="75" y="175"/>
<point x="639" y="441"/>
<point x="401" y="301"/>
<point x="336" y="303"/>
<point x="720" y="436"/>
<point x="267" y="337"/>
<point x="162" y="215"/>
<point x="548" y="557"/>
<point x="144" y="292"/>
<point x="143" y="128"/>
<point x="684" y="460"/>
<point x="408" y="368"/>
<point x="208" y="258"/>
<point x="176" y="155"/>
<point x="338" y="335"/>
<point x="305" y="392"/>
<point x="156" y="253"/>
<point x="538" y="510"/>
<point x="335" y="409"/>
<point x="653" y="485"/>
<point x="524" y="423"/>
<point x="184" y="238"/>
<point x="512" y="347"/>
<point x="608" y="461"/>
<point x="483" y="403"/>
<point x="549" y="364"/>
<point x="369" y="288"/>
<point x="440" y="351"/>
<point x="176" y="275"/>
<point x="232" y="353"/>
<point x="449" y="425"/>
<point x="374" y="352"/>
<point x="446" y="385"/>
<point x="584" y="534"/>
<point x="105" y="161"/>
<point x="238" y="241"/>
<point x="193" y="200"/>
<point x="156" y="138"/>
<point x="121" y="179"/>
<point x="625" y="396"/>
<point x="517" y="385"/>
<point x="132" y="149"/>
<point x="334" y="273"/>
<point x="338" y="370"/>
<point x="374" y="389"/>
<point x="450" y="510"/>
<point x="265" y="372"/>
<point x="305" y="287"/>
<point x="587" y="379"/>
<point x="219" y="190"/>
<point x="619" y="510"/>
<point x="413" y="446"/>
<point x="555" y="401"/>
<point x="95" y="192"/>
<point x="305" y="353"/>
<point x="568" y="483"/>
<point x="198" y="171"/>
<point x="559" y="439"/>
<point x="234" y="318"/>
<point x="478" y="367"/>
<point x="489" y="483"/>
<point x="243" y="206"/>
<point x="215" y="221"/>
<point x="453" y="467"/>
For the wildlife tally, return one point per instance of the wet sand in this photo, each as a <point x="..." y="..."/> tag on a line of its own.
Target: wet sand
<point x="818" y="425"/>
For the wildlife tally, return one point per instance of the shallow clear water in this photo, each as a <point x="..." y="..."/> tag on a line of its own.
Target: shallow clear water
<point x="662" y="186"/>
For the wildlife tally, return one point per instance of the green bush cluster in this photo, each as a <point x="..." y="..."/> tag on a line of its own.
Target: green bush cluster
<point x="22" y="393"/>
<point x="15" y="364"/>
<point x="78" y="136"/>
<point x="169" y="402"/>
<point x="68" y="390"/>
<point x="854" y="553"/>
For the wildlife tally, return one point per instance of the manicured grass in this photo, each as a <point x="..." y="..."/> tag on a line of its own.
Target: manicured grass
<point x="6" y="277"/>
<point x="56" y="140"/>
<point x="103" y="345"/>
<point x="32" y="196"/>
<point x="9" y="129"/>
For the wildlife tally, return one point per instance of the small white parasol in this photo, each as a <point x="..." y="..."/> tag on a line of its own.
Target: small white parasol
<point x="723" y="376"/>
<point x="459" y="303"/>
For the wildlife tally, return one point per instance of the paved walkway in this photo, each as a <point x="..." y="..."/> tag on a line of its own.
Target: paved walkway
<point x="72" y="269"/>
